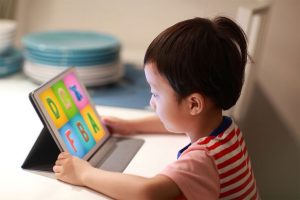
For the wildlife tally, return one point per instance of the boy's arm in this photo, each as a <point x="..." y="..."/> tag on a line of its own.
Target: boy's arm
<point x="151" y="124"/>
<point x="76" y="171"/>
<point x="124" y="186"/>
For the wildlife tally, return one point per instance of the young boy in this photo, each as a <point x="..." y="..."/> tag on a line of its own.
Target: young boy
<point x="195" y="70"/>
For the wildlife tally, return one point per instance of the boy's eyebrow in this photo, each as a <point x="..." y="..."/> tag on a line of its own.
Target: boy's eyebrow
<point x="152" y="84"/>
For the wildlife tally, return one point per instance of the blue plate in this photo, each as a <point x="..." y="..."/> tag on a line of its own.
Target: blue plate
<point x="10" y="69"/>
<point x="88" y="55"/>
<point x="69" y="63"/>
<point x="11" y="57"/>
<point x="71" y="42"/>
<point x="10" y="62"/>
<point x="100" y="58"/>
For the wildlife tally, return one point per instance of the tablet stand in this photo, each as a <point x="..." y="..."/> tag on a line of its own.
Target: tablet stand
<point x="43" y="154"/>
<point x="114" y="155"/>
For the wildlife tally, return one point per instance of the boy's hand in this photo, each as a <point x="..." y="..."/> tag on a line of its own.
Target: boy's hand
<point x="70" y="169"/>
<point x="117" y="125"/>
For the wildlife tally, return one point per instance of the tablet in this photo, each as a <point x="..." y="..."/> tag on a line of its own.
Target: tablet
<point x="66" y="109"/>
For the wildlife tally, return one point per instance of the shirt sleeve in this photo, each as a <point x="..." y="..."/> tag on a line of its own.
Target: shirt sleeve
<point x="195" y="174"/>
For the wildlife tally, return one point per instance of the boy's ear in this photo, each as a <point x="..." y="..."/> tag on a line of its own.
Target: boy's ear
<point x="196" y="103"/>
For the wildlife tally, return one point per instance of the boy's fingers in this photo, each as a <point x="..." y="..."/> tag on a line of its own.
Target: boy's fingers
<point x="107" y="121"/>
<point x="58" y="162"/>
<point x="57" y="169"/>
<point x="63" y="155"/>
<point x="111" y="120"/>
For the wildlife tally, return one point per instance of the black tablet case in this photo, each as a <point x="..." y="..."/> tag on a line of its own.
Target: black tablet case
<point x="43" y="154"/>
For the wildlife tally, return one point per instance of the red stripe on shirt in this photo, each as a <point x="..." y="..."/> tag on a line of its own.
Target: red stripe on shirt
<point x="247" y="192"/>
<point x="234" y="170"/>
<point x="237" y="189"/>
<point x="241" y="140"/>
<point x="236" y="179"/>
<point x="255" y="196"/>
<point x="220" y="135"/>
<point x="227" y="150"/>
<point x="224" y="141"/>
<point x="230" y="161"/>
<point x="206" y="140"/>
<point x="238" y="131"/>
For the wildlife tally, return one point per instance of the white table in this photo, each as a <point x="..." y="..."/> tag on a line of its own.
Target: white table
<point x="20" y="126"/>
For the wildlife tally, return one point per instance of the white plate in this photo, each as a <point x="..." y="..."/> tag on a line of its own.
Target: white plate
<point x="96" y="70"/>
<point x="90" y="78"/>
<point x="88" y="82"/>
<point x="5" y="44"/>
<point x="7" y="26"/>
<point x="10" y="36"/>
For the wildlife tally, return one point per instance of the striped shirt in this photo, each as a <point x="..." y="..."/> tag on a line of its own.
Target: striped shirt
<point x="229" y="162"/>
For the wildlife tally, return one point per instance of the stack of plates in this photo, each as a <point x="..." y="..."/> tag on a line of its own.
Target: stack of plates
<point x="96" y="56"/>
<point x="10" y="58"/>
<point x="7" y="34"/>
<point x="10" y="62"/>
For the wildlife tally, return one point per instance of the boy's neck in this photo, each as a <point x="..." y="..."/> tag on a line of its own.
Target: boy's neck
<point x="205" y="124"/>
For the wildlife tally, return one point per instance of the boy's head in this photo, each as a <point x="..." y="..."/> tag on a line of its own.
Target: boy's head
<point x="202" y="56"/>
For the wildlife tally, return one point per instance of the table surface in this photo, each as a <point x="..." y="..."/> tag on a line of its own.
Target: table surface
<point x="20" y="127"/>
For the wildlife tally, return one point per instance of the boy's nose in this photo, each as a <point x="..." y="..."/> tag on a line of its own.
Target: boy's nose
<point x="152" y="104"/>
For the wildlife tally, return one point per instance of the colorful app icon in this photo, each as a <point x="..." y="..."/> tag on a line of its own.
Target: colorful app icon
<point x="92" y="122"/>
<point x="82" y="131"/>
<point x="65" y="99"/>
<point x="53" y="108"/>
<point x="71" y="140"/>
<point x="76" y="91"/>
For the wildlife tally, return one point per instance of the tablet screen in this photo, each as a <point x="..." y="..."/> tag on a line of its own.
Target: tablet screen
<point x="67" y="110"/>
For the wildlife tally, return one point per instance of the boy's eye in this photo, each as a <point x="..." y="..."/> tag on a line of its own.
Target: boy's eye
<point x="154" y="94"/>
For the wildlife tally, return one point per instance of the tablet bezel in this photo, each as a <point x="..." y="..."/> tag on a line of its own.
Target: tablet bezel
<point x="47" y="121"/>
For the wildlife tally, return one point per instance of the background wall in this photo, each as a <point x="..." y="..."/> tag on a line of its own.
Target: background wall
<point x="280" y="69"/>
<point x="274" y="142"/>
<point x="135" y="22"/>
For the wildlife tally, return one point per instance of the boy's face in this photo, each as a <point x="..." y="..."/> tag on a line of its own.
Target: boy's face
<point x="164" y="102"/>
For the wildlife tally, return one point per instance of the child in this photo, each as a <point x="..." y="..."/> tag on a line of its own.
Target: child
<point x="195" y="70"/>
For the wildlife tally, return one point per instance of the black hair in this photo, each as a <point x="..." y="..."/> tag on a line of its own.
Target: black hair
<point x="204" y="56"/>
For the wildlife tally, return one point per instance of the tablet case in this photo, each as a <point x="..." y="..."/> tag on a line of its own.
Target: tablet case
<point x="43" y="154"/>
<point x="114" y="155"/>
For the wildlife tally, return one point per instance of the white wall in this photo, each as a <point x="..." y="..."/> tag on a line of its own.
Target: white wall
<point x="135" y="22"/>
<point x="280" y="69"/>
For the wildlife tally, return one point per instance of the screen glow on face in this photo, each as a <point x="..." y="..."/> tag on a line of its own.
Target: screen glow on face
<point x="70" y="111"/>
